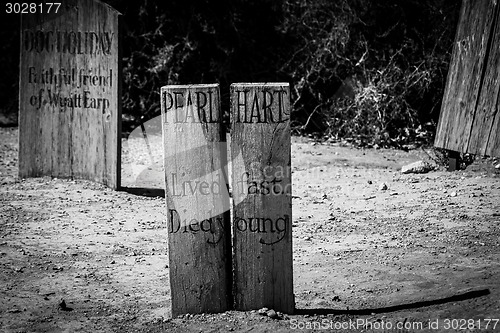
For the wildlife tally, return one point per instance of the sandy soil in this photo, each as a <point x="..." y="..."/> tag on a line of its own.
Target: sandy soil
<point x="425" y="251"/>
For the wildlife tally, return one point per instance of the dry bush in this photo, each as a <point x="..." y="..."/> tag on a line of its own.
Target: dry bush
<point x="395" y="54"/>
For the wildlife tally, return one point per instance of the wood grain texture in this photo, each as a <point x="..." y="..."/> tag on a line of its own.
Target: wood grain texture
<point x="197" y="199"/>
<point x="69" y="99"/>
<point x="468" y="120"/>
<point x="484" y="133"/>
<point x="493" y="147"/>
<point x="262" y="205"/>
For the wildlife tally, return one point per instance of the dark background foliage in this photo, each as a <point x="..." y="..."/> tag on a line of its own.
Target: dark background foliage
<point x="370" y="71"/>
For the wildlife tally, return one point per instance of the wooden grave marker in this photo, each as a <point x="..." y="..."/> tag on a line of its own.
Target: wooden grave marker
<point x="261" y="192"/>
<point x="197" y="199"/>
<point x="69" y="99"/>
<point x="469" y="121"/>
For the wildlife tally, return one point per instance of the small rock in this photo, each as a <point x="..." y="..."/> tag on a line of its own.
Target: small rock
<point x="453" y="194"/>
<point x="370" y="182"/>
<point x="272" y="314"/>
<point x="497" y="166"/>
<point x="263" y="311"/>
<point x="63" y="306"/>
<point x="417" y="167"/>
<point x="383" y="187"/>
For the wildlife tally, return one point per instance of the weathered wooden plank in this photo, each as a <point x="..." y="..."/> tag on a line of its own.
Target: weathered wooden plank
<point x="197" y="199"/>
<point x="493" y="147"/>
<point x="465" y="76"/>
<point x="483" y="126"/>
<point x="262" y="204"/>
<point x="69" y="99"/>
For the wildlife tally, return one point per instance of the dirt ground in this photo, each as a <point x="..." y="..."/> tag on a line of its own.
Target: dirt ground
<point x="422" y="255"/>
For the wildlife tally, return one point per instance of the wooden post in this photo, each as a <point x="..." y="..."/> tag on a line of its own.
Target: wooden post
<point x="197" y="199"/>
<point x="69" y="99"/>
<point x="470" y="116"/>
<point x="262" y="202"/>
